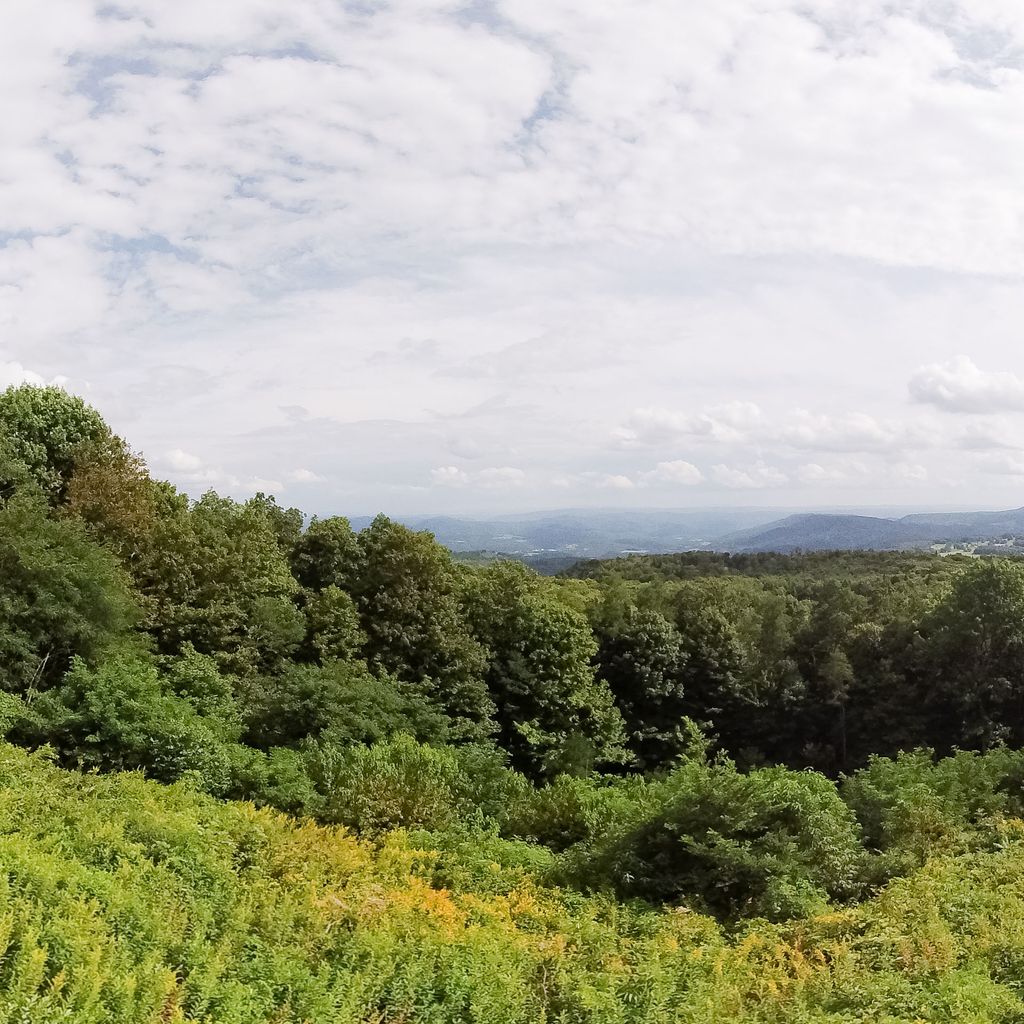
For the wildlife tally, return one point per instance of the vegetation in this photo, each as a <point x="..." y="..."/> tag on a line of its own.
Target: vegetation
<point x="262" y="769"/>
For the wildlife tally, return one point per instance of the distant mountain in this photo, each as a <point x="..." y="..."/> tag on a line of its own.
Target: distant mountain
<point x="606" y="533"/>
<point x="818" y="532"/>
<point x="823" y="532"/>
<point x="970" y="525"/>
<point x="587" y="533"/>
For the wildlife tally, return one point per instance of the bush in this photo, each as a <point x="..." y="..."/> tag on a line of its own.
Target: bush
<point x="913" y="806"/>
<point x="342" y="697"/>
<point x="773" y="843"/>
<point x="574" y="810"/>
<point x="401" y="784"/>
<point x="118" y="716"/>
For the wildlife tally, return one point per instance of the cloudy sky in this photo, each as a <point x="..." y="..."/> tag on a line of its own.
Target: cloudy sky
<point x="424" y="255"/>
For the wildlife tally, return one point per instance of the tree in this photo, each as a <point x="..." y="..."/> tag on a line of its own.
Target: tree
<point x="553" y="714"/>
<point x="771" y="843"/>
<point x="118" y="716"/>
<point x="409" y="599"/>
<point x="340" y="698"/>
<point x="215" y="577"/>
<point x="327" y="554"/>
<point x="62" y="595"/>
<point x="110" y="490"/>
<point x="976" y="646"/>
<point x="333" y="632"/>
<point x="45" y="430"/>
<point x="285" y="522"/>
<point x="643" y="661"/>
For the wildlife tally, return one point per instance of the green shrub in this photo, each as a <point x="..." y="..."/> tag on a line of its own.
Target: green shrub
<point x="772" y="843"/>
<point x="118" y="716"/>
<point x="400" y="783"/>
<point x="915" y="806"/>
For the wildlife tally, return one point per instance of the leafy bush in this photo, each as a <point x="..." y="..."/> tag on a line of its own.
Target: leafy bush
<point x="401" y="783"/>
<point x="576" y="810"/>
<point x="913" y="806"/>
<point x="772" y="843"/>
<point x="342" y="698"/>
<point x="118" y="716"/>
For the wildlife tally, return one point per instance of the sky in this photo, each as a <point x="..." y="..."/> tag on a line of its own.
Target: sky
<point x="499" y="255"/>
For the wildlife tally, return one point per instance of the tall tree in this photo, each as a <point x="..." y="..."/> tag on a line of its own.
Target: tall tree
<point x="45" y="430"/>
<point x="554" y="715"/>
<point x="409" y="597"/>
<point x="643" y="661"/>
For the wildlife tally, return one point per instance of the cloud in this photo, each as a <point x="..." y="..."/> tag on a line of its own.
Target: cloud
<point x="494" y="477"/>
<point x="853" y="432"/>
<point x="14" y="374"/>
<point x="989" y="436"/>
<point x="733" y="421"/>
<point x="183" y="462"/>
<point x="749" y="477"/>
<point x="482" y="233"/>
<point x="960" y="386"/>
<point x="842" y="473"/>
<point x="305" y="476"/>
<point x="677" y="472"/>
<point x="449" y="476"/>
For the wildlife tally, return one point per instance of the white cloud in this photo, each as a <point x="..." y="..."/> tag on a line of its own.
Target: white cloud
<point x="481" y="233"/>
<point x="305" y="476"/>
<point x="500" y="477"/>
<point x="678" y="471"/>
<point x="449" y="476"/>
<point x="748" y="477"/>
<point x="960" y="386"/>
<point x="14" y="374"/>
<point x="259" y="483"/>
<point x="909" y="473"/>
<point x="733" y="421"/>
<point x="493" y="477"/>
<point x="847" y="471"/>
<point x="183" y="462"/>
<point x="853" y="432"/>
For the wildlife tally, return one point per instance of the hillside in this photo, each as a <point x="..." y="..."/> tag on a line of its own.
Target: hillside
<point x="817" y="532"/>
<point x="126" y="902"/>
<point x="546" y="538"/>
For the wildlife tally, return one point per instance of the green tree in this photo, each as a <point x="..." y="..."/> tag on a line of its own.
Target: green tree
<point x="554" y="715"/>
<point x="333" y="631"/>
<point x="341" y="698"/>
<point x="45" y="430"/>
<point x="772" y="843"/>
<point x="976" y="644"/>
<point x="643" y="661"/>
<point x="215" y="578"/>
<point x="118" y="716"/>
<point x="409" y="597"/>
<point x="61" y="595"/>
<point x="327" y="554"/>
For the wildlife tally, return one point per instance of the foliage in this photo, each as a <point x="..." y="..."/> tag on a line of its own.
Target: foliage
<point x="119" y="716"/>
<point x="341" y="698"/>
<point x="771" y="843"/>
<point x="45" y="430"/>
<point x="408" y="594"/>
<point x="61" y="596"/>
<point x="401" y="783"/>
<point x="554" y="716"/>
<point x="126" y="901"/>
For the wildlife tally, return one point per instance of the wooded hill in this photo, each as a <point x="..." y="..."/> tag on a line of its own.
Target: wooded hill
<point x="367" y="783"/>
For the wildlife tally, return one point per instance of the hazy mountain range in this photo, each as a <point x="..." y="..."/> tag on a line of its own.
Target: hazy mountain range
<point x="602" y="533"/>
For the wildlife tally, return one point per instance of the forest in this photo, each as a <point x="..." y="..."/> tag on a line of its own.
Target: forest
<point x="259" y="767"/>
